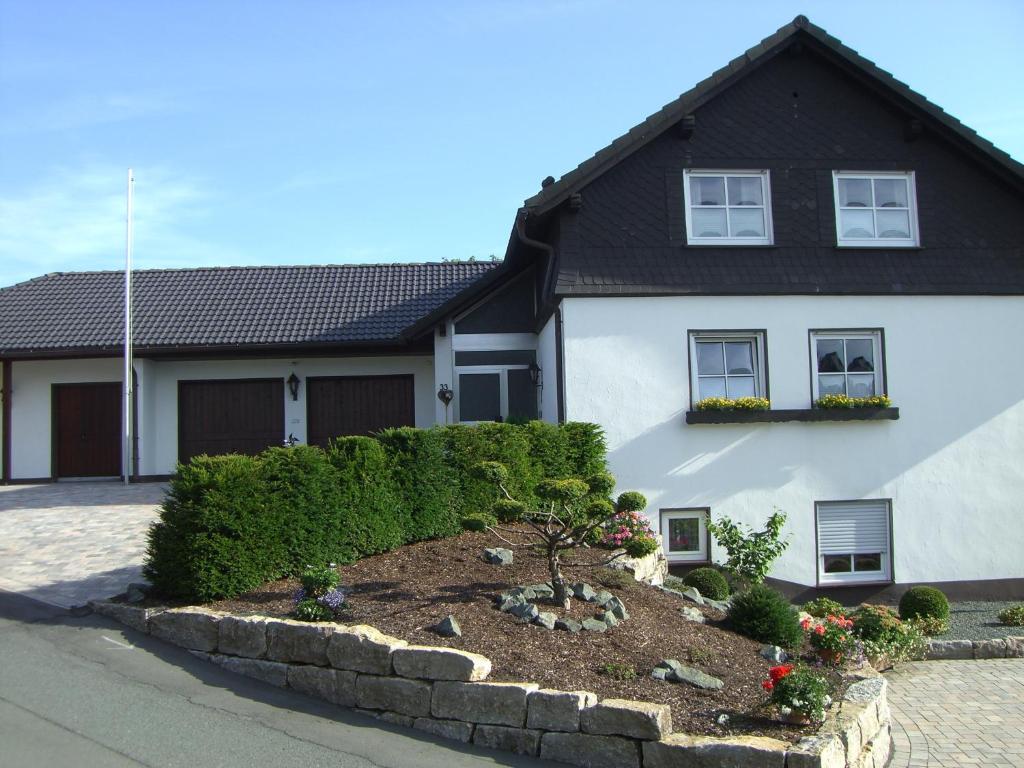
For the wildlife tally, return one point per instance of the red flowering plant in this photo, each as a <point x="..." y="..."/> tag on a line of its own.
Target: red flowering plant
<point x="801" y="694"/>
<point x="831" y="635"/>
<point x="631" y="531"/>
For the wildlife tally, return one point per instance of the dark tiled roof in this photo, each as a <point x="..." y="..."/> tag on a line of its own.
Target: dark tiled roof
<point x="265" y="306"/>
<point x="672" y="113"/>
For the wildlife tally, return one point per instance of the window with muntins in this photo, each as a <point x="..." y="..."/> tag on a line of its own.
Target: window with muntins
<point x="853" y="541"/>
<point x="875" y="209"/>
<point x="727" y="364"/>
<point x="727" y="207"/>
<point x="684" y="535"/>
<point x="847" y="363"/>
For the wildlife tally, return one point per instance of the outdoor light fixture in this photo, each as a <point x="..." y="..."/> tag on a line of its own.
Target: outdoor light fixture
<point x="293" y="386"/>
<point x="445" y="395"/>
<point x="535" y="375"/>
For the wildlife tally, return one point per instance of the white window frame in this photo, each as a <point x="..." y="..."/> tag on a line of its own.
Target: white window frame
<point x="501" y="370"/>
<point x="760" y="365"/>
<point x="884" y="576"/>
<point x="878" y="242"/>
<point x="874" y="335"/>
<point x="766" y="191"/>
<point x="703" y="555"/>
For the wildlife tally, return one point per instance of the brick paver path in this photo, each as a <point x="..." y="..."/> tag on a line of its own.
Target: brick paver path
<point x="67" y="543"/>
<point x="948" y="714"/>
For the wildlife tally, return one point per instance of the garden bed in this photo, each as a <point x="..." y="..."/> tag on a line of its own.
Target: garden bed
<point x="406" y="592"/>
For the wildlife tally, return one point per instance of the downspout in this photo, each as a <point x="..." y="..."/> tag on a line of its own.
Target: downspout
<point x="5" y="393"/>
<point x="529" y="241"/>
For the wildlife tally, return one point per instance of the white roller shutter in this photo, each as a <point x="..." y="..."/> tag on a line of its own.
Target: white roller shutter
<point x="851" y="528"/>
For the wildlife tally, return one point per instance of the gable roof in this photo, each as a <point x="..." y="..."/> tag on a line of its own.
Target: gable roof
<point x="672" y="113"/>
<point x="312" y="306"/>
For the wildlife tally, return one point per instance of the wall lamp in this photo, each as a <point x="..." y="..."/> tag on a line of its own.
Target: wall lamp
<point x="293" y="386"/>
<point x="536" y="375"/>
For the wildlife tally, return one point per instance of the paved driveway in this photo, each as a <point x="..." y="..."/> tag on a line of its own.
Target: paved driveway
<point x="948" y="714"/>
<point x="66" y="543"/>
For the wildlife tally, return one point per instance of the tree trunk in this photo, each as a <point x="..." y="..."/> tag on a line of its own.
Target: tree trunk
<point x="557" y="582"/>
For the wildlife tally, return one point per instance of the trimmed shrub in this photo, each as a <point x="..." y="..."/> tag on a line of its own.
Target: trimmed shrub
<point x="885" y="637"/>
<point x="709" y="582"/>
<point x="924" y="602"/>
<point x="764" y="615"/>
<point x="821" y="607"/>
<point x="216" y="535"/>
<point x="370" y="517"/>
<point x="425" y="482"/>
<point x="504" y="443"/>
<point x="585" y="449"/>
<point x="1013" y="616"/>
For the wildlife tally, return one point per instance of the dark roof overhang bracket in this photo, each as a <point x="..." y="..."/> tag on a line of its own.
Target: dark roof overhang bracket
<point x="687" y="126"/>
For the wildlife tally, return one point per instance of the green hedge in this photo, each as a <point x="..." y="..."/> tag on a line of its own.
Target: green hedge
<point x="230" y="523"/>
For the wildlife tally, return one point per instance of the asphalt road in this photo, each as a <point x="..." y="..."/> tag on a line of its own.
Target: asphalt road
<point x="85" y="691"/>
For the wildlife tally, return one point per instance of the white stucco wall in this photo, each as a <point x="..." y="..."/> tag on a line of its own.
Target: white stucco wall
<point x="157" y="394"/>
<point x="547" y="359"/>
<point x="953" y="464"/>
<point x="31" y="410"/>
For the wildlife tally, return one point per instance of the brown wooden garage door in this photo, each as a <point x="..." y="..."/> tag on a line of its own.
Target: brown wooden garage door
<point x="229" y="416"/>
<point x="87" y="430"/>
<point x="357" y="405"/>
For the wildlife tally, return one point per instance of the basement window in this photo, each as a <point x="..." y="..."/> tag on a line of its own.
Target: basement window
<point x="727" y="207"/>
<point x="854" y="541"/>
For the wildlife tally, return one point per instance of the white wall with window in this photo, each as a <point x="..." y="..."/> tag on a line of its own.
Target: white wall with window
<point x="875" y="210"/>
<point x="727" y="207"/>
<point x="847" y="363"/>
<point x="727" y="364"/>
<point x="951" y="465"/>
<point x="853" y="541"/>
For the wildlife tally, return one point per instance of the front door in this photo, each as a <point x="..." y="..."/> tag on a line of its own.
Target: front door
<point x="87" y="430"/>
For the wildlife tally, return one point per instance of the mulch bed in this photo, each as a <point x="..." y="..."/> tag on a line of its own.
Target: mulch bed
<point x="407" y="591"/>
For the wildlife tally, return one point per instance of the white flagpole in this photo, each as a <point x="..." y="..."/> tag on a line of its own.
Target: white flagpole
<point x="126" y="454"/>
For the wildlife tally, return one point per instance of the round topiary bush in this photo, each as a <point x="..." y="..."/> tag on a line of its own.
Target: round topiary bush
<point x="709" y="582"/>
<point x="924" y="602"/>
<point x="765" y="615"/>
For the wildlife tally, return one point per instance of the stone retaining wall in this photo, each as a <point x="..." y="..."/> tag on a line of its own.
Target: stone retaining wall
<point x="1000" y="648"/>
<point x="444" y="692"/>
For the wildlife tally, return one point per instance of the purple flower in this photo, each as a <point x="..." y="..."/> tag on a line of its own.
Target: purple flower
<point x="333" y="599"/>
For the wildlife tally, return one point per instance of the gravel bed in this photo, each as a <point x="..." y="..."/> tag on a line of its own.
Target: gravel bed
<point x="975" y="620"/>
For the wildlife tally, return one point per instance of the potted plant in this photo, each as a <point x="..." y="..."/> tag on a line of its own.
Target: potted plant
<point x="800" y="694"/>
<point x="830" y="637"/>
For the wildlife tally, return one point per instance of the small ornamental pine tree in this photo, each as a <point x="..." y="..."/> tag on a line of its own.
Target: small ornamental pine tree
<point x="569" y="510"/>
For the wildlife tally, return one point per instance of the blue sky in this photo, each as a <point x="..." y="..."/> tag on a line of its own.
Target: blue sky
<point x="332" y="132"/>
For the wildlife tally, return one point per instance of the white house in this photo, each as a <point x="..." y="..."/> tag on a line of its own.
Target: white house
<point x="798" y="224"/>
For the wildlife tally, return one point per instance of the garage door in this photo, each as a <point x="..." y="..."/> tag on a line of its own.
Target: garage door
<point x="357" y="405"/>
<point x="87" y="430"/>
<point x="229" y="416"/>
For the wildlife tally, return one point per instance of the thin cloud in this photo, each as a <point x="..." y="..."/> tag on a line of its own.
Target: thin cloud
<point x="82" y="110"/>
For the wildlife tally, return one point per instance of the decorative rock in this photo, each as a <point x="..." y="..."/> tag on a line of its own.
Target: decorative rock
<point x="691" y="593"/>
<point x="774" y="654"/>
<point x="591" y="751"/>
<point x="674" y="672"/>
<point x="541" y="590"/>
<point x="625" y="717"/>
<point x="393" y="718"/>
<point x="243" y="636"/>
<point x="430" y="663"/>
<point x="552" y="710"/>
<point x="817" y="752"/>
<point x="989" y="649"/>
<point x="448" y="627"/>
<point x="569" y="625"/>
<point x="494" y="703"/>
<point x="679" y="749"/>
<point x="514" y="592"/>
<point x="194" y="628"/>
<point x="526" y="611"/>
<point x="609" y="618"/>
<point x="362" y="649"/>
<point x="616" y="606"/>
<point x="298" y="641"/>
<point x="272" y="672"/>
<point x="651" y="569"/>
<point x="602" y="597"/>
<point x="333" y="685"/>
<point x="510" y="602"/>
<point x="692" y="614"/>
<point x="593" y="625"/>
<point x="1015" y="647"/>
<point x="446" y="729"/>
<point x="950" y="649"/>
<point x="545" y="619"/>
<point x="583" y="591"/>
<point x="136" y="592"/>
<point x="719" y="605"/>
<point x="129" y="615"/>
<point x="395" y="694"/>
<point x="519" y="740"/>
<point x="498" y="556"/>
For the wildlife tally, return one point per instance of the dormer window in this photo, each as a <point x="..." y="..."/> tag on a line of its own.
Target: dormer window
<point x="727" y="208"/>
<point x="875" y="210"/>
